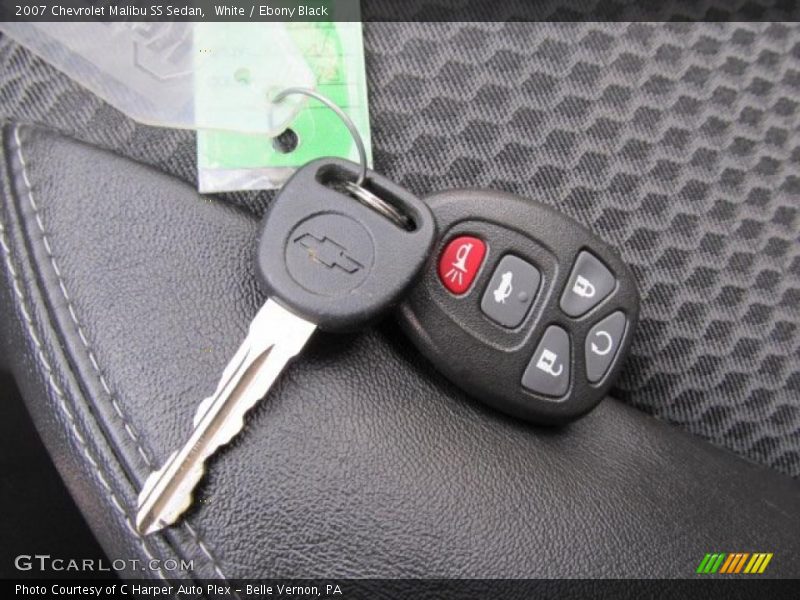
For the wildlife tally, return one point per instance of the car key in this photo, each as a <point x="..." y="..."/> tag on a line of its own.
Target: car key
<point x="326" y="260"/>
<point x="521" y="306"/>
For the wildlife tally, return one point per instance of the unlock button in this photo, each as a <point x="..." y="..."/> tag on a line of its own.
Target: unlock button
<point x="589" y="282"/>
<point x="548" y="371"/>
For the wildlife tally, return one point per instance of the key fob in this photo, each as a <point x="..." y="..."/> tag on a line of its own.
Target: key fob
<point x="521" y="306"/>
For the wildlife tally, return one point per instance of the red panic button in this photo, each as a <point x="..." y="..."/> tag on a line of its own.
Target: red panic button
<point x="460" y="262"/>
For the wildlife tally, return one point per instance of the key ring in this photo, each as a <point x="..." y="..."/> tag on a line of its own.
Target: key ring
<point x="362" y="152"/>
<point x="378" y="204"/>
<point x="355" y="189"/>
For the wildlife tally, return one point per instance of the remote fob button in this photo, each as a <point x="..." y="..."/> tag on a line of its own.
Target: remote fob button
<point x="548" y="371"/>
<point x="530" y="356"/>
<point x="511" y="291"/>
<point x="589" y="282"/>
<point x="460" y="262"/>
<point x="602" y="344"/>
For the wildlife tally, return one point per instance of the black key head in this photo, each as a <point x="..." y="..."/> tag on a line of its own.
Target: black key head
<point x="333" y="260"/>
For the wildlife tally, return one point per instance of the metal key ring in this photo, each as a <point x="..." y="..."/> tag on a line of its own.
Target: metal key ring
<point x="362" y="152"/>
<point x="355" y="189"/>
<point x="379" y="205"/>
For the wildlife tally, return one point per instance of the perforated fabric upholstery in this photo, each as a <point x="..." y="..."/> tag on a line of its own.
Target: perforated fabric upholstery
<point x="678" y="143"/>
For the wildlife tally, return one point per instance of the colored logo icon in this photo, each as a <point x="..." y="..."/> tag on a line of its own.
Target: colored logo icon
<point x="734" y="563"/>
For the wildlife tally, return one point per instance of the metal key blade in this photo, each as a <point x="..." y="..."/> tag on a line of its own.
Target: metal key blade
<point x="275" y="337"/>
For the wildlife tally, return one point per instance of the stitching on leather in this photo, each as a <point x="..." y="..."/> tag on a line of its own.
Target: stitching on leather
<point x="128" y="428"/>
<point x="71" y="308"/>
<point x="62" y="404"/>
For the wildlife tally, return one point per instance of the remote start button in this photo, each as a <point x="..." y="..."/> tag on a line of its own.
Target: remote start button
<point x="602" y="344"/>
<point x="460" y="262"/>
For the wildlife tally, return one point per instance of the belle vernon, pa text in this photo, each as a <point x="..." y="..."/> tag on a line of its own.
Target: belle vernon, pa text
<point x="164" y="591"/>
<point x="176" y="10"/>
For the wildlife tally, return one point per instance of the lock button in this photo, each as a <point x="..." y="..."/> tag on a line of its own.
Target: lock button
<point x="589" y="283"/>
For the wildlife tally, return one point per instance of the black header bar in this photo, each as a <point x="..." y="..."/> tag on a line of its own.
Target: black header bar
<point x="398" y="10"/>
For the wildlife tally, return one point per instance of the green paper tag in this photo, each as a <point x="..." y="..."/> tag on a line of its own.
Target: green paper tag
<point x="334" y="52"/>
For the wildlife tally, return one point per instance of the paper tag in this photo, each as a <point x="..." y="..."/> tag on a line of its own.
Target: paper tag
<point x="188" y="75"/>
<point x="334" y="52"/>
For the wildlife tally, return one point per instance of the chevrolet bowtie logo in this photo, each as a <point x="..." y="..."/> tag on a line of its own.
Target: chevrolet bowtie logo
<point x="327" y="252"/>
